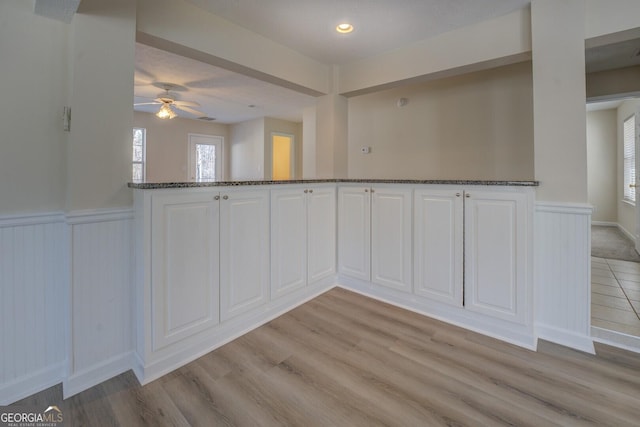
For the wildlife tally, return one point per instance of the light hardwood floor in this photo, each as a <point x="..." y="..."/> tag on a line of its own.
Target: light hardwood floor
<point x="346" y="360"/>
<point x="615" y="295"/>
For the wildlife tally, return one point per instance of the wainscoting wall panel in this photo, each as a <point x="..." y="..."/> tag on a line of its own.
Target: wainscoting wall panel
<point x="33" y="303"/>
<point x="562" y="275"/>
<point x="101" y="341"/>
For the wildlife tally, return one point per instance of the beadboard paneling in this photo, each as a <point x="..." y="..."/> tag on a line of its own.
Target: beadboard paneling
<point x="101" y="317"/>
<point x="562" y="274"/>
<point x="33" y="300"/>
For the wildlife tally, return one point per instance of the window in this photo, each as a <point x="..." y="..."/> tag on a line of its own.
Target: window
<point x="629" y="139"/>
<point x="139" y="154"/>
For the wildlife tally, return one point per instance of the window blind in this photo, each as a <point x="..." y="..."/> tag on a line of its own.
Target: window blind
<point x="629" y="132"/>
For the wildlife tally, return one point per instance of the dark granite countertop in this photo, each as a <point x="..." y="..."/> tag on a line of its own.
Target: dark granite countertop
<point x="159" y="185"/>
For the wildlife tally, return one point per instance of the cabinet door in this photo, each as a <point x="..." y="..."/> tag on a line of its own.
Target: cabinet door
<point x="354" y="232"/>
<point x="496" y="254"/>
<point x="438" y="245"/>
<point x="288" y="241"/>
<point x="244" y="251"/>
<point x="391" y="244"/>
<point x="184" y="266"/>
<point x="321" y="214"/>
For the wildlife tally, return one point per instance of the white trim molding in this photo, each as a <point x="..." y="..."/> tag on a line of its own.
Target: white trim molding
<point x="94" y="216"/>
<point x="562" y="274"/>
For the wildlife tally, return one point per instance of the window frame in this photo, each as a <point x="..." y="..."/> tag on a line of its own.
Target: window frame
<point x="143" y="162"/>
<point x="629" y="161"/>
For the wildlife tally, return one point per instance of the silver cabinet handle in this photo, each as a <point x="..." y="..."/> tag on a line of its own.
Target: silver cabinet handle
<point x="457" y="194"/>
<point x="373" y="191"/>
<point x="216" y="197"/>
<point x="225" y="197"/>
<point x="366" y="190"/>
<point x="306" y="191"/>
<point x="310" y="191"/>
<point x="467" y="195"/>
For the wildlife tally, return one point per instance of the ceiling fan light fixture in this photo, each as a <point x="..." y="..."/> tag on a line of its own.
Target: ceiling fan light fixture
<point x="344" y="28"/>
<point x="165" y="112"/>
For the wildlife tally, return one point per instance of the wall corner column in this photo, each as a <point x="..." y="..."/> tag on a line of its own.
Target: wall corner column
<point x="562" y="218"/>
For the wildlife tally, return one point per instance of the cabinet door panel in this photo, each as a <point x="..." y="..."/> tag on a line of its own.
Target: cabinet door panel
<point x="321" y="214"/>
<point x="354" y="232"/>
<point x="391" y="244"/>
<point x="496" y="254"/>
<point x="288" y="241"/>
<point x="184" y="266"/>
<point x="244" y="251"/>
<point x="438" y="245"/>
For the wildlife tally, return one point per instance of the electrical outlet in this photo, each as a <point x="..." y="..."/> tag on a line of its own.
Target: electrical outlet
<point x="365" y="150"/>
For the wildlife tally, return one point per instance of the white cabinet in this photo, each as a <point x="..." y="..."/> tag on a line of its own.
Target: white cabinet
<point x="354" y="232"/>
<point x="374" y="235"/>
<point x="471" y="250"/>
<point x="391" y="251"/>
<point x="438" y="245"/>
<point x="497" y="254"/>
<point x="303" y="242"/>
<point x="184" y="260"/>
<point x="321" y="233"/>
<point x="244" y="251"/>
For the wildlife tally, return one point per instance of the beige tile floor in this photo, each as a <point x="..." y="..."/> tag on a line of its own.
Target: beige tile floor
<point x="615" y="295"/>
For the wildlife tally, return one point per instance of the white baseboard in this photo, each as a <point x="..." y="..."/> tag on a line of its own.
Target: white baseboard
<point x="616" y="339"/>
<point x="605" y="223"/>
<point x="88" y="378"/>
<point x="181" y="353"/>
<point x="30" y="384"/>
<point x="627" y="233"/>
<point x="565" y="337"/>
<point x="513" y="333"/>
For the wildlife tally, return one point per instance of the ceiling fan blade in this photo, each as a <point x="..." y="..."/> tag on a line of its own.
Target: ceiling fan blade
<point x="146" y="103"/>
<point x="186" y="103"/>
<point x="190" y="110"/>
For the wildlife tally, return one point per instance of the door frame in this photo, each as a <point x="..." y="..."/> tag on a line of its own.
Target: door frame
<point x="216" y="140"/>
<point x="292" y="147"/>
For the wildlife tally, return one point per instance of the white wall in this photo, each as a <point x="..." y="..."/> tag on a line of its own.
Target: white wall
<point x="247" y="150"/>
<point x="168" y="145"/>
<point x="559" y="99"/>
<point x="99" y="147"/>
<point x="477" y="126"/>
<point x="251" y="145"/>
<point x="626" y="211"/>
<point x="602" y="164"/>
<point x="33" y="85"/>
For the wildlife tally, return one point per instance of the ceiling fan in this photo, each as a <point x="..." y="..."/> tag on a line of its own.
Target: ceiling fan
<point x="169" y="105"/>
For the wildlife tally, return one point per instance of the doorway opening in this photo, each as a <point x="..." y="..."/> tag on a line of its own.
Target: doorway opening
<point x="615" y="264"/>
<point x="282" y="156"/>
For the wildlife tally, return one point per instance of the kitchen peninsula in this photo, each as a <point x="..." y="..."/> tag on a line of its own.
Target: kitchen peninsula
<point x="215" y="260"/>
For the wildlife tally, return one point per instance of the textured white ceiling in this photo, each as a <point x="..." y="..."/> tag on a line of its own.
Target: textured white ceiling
<point x="222" y="94"/>
<point x="308" y="26"/>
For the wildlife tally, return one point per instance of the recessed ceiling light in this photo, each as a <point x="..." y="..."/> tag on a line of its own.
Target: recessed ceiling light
<point x="344" y="28"/>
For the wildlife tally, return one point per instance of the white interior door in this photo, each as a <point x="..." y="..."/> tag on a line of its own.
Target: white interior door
<point x="205" y="157"/>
